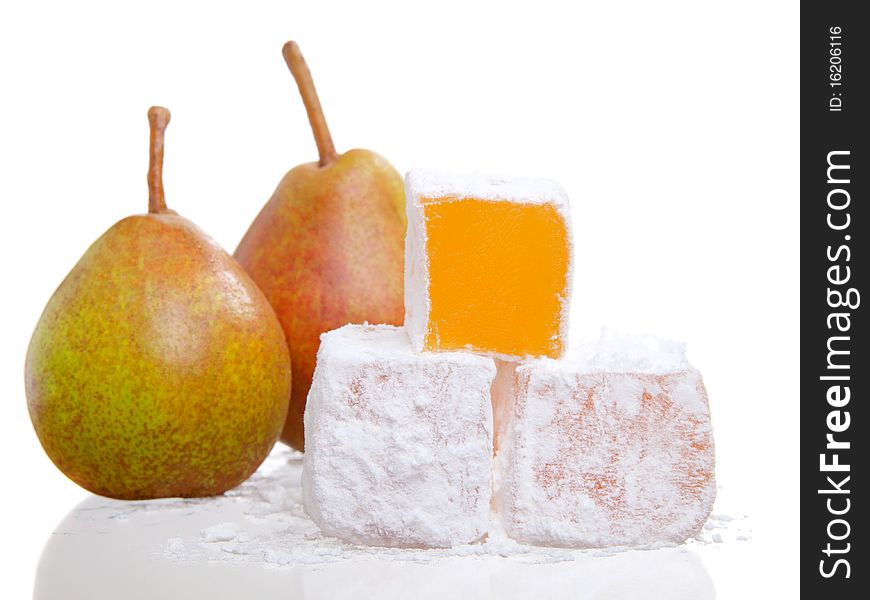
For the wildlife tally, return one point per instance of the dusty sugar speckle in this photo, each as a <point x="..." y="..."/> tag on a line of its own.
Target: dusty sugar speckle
<point x="222" y="532"/>
<point x="175" y="548"/>
<point x="274" y="531"/>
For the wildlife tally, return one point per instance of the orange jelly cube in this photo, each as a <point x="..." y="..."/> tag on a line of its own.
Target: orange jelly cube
<point x="487" y="264"/>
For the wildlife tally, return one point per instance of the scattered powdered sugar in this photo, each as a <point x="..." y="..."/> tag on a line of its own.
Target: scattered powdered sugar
<point x="273" y="531"/>
<point x="222" y="532"/>
<point x="721" y="528"/>
<point x="174" y="548"/>
<point x="263" y="522"/>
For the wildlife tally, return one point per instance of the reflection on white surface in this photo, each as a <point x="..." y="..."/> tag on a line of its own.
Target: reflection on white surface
<point x="255" y="542"/>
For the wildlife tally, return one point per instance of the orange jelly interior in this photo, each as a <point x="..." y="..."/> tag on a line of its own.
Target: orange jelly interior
<point x="497" y="276"/>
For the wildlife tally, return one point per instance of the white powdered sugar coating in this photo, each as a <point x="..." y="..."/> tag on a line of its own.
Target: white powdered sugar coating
<point x="615" y="352"/>
<point x="423" y="184"/>
<point x="431" y="183"/>
<point x="609" y="449"/>
<point x="417" y="303"/>
<point x="222" y="532"/>
<point x="397" y="444"/>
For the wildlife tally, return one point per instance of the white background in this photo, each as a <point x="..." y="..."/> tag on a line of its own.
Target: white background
<point x="673" y="126"/>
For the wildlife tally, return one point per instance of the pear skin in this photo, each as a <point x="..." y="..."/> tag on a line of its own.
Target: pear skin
<point x="158" y="368"/>
<point x="328" y="247"/>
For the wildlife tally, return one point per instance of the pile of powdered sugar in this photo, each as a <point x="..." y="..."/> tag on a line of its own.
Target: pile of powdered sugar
<point x="274" y="528"/>
<point x="262" y="521"/>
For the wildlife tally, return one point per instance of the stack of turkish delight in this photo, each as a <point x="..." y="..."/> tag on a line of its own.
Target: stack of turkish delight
<point x="475" y="413"/>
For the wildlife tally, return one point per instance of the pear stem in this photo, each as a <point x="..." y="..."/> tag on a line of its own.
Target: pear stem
<point x="158" y="119"/>
<point x="296" y="63"/>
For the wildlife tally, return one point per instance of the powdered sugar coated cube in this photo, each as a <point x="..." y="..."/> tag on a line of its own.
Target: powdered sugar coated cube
<point x="398" y="445"/>
<point x="488" y="264"/>
<point x="611" y="447"/>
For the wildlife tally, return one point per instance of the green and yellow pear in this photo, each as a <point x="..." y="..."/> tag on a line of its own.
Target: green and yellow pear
<point x="328" y="247"/>
<point x="158" y="368"/>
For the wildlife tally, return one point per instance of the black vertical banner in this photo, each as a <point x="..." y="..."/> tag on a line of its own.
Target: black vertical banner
<point x="834" y="370"/>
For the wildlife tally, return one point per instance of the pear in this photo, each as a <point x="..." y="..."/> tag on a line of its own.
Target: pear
<point x="158" y="368"/>
<point x="328" y="247"/>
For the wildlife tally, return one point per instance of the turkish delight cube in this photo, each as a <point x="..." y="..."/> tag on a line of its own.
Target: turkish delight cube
<point x="398" y="445"/>
<point x="611" y="446"/>
<point x="487" y="264"/>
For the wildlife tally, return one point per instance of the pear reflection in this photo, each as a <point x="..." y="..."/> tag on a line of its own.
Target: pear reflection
<point x="255" y="542"/>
